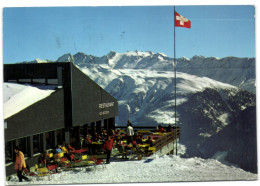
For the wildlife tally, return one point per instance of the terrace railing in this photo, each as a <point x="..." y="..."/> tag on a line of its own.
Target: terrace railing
<point x="168" y="138"/>
<point x="162" y="141"/>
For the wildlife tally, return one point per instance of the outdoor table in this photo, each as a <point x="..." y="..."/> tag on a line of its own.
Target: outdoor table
<point x="78" y="151"/>
<point x="143" y="146"/>
<point x="97" y="143"/>
<point x="89" y="162"/>
<point x="155" y="137"/>
<point x="144" y="131"/>
<point x="159" y="133"/>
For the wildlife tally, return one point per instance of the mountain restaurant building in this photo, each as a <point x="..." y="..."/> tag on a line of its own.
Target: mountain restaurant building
<point x="76" y="107"/>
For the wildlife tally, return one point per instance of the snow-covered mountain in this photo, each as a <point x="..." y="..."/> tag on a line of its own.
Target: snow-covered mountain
<point x="215" y="98"/>
<point x="239" y="72"/>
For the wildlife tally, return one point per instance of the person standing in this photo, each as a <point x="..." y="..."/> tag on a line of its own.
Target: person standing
<point x="108" y="146"/>
<point x="129" y="132"/>
<point x="20" y="164"/>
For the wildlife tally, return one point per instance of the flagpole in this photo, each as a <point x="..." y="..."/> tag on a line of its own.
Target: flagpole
<point x="175" y="83"/>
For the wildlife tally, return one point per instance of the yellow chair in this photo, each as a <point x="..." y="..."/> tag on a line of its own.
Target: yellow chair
<point x="60" y="155"/>
<point x="50" y="155"/>
<point x="152" y="149"/>
<point x="84" y="157"/>
<point x="64" y="160"/>
<point x="41" y="171"/>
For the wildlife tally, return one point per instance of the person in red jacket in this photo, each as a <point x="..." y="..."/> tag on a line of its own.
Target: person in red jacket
<point x="108" y="146"/>
<point x="20" y="164"/>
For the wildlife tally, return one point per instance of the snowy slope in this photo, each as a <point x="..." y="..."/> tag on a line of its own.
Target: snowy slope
<point x="160" y="169"/>
<point x="17" y="97"/>
<point x="232" y="70"/>
<point x="146" y="94"/>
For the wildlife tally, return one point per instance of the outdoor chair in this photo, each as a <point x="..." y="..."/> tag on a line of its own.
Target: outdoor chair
<point x="53" y="168"/>
<point x="65" y="163"/>
<point x="28" y="173"/>
<point x="41" y="171"/>
<point x="50" y="155"/>
<point x="84" y="157"/>
<point x="151" y="150"/>
<point x="98" y="162"/>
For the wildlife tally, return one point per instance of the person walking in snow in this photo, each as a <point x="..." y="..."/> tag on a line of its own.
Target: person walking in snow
<point x="20" y="164"/>
<point x="108" y="146"/>
<point x="129" y="132"/>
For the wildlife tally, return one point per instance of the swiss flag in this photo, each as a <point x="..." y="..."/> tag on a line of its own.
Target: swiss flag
<point x="181" y="21"/>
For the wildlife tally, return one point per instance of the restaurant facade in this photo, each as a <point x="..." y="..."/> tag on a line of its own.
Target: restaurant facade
<point x="76" y="107"/>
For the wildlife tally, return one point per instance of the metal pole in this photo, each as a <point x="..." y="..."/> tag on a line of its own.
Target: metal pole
<point x="175" y="89"/>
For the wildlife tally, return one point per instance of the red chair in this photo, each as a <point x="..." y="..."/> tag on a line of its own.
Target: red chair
<point x="98" y="161"/>
<point x="94" y="158"/>
<point x="65" y="163"/>
<point x="53" y="168"/>
<point x="28" y="173"/>
<point x="72" y="157"/>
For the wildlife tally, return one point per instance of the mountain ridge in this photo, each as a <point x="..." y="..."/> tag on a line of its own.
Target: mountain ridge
<point x="232" y="70"/>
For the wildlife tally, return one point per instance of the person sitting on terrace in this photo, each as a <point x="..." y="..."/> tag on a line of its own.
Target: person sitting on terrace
<point x="139" y="138"/>
<point x="58" y="149"/>
<point x="44" y="159"/>
<point x="41" y="161"/>
<point x="70" y="148"/>
<point x="99" y="137"/>
<point x="134" y="142"/>
<point x="66" y="152"/>
<point x="121" y="149"/>
<point x="111" y="133"/>
<point x="149" y="141"/>
<point x="117" y="133"/>
<point x="50" y="154"/>
<point x="88" y="142"/>
<point x="94" y="136"/>
<point x="169" y="128"/>
<point x="103" y="135"/>
<point x="160" y="129"/>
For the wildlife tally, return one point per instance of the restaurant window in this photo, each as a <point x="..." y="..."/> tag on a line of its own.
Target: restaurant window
<point x="37" y="143"/>
<point x="60" y="136"/>
<point x="9" y="152"/>
<point x="23" y="145"/>
<point x="50" y="140"/>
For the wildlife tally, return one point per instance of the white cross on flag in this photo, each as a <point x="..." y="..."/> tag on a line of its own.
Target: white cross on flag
<point x="181" y="21"/>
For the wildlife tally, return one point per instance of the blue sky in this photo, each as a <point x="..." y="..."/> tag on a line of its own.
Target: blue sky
<point x="49" y="32"/>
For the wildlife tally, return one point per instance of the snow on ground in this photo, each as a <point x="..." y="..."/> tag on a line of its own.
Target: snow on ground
<point x="18" y="97"/>
<point x="153" y="169"/>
